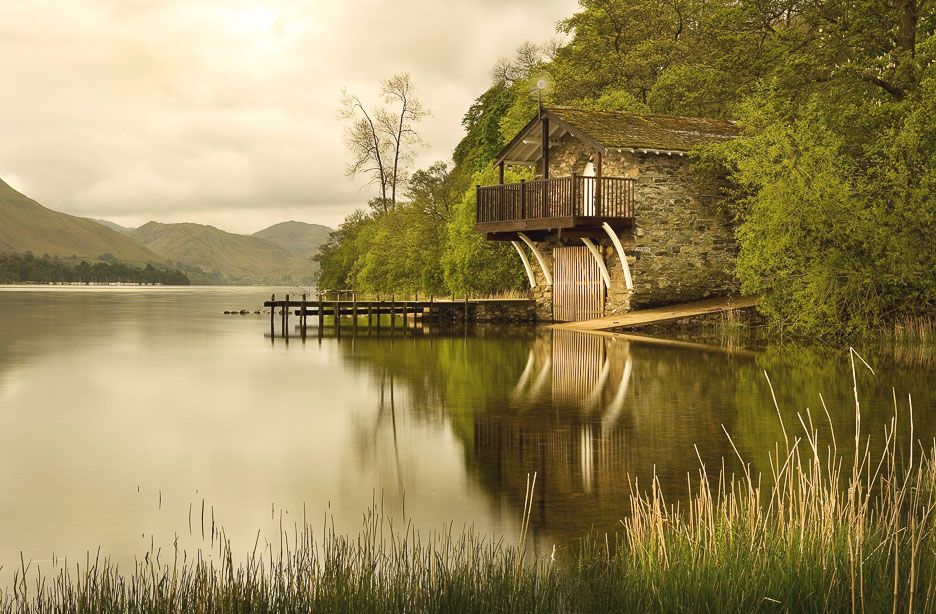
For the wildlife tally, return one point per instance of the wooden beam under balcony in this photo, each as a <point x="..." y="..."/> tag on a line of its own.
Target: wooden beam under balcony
<point x="571" y="226"/>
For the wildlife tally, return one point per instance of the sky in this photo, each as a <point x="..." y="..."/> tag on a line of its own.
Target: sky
<point x="225" y="112"/>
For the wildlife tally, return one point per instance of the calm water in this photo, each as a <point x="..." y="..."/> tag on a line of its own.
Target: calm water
<point x="124" y="411"/>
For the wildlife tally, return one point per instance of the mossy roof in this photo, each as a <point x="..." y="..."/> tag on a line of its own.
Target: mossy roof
<point x="630" y="130"/>
<point x="619" y="130"/>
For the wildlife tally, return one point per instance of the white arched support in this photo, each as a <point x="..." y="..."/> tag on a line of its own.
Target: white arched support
<point x="628" y="280"/>
<point x="539" y="257"/>
<point x="600" y="260"/>
<point x="526" y="262"/>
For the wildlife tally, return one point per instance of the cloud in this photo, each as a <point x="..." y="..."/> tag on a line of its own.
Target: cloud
<point x="225" y="111"/>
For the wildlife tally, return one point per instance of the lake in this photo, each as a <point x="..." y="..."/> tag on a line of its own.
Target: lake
<point x="134" y="417"/>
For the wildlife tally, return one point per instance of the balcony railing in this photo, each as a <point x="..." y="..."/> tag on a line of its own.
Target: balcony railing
<point x="562" y="197"/>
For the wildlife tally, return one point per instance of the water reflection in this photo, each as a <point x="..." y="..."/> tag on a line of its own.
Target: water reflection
<point x="110" y="400"/>
<point x="596" y="417"/>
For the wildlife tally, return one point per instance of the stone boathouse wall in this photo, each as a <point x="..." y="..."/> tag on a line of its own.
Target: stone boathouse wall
<point x="681" y="247"/>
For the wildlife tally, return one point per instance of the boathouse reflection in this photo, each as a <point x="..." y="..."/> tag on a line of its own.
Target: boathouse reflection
<point x="591" y="415"/>
<point x="597" y="417"/>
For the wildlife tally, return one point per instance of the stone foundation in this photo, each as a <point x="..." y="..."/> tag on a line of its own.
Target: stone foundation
<point x="493" y="311"/>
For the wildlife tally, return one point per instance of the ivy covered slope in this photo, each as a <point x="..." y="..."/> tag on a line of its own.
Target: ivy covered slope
<point x="832" y="181"/>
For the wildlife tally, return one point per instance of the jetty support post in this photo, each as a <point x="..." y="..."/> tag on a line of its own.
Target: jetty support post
<point x="338" y="315"/>
<point x="286" y="317"/>
<point x="392" y="314"/>
<point x="321" y="315"/>
<point x="302" y="316"/>
<point x="272" y="315"/>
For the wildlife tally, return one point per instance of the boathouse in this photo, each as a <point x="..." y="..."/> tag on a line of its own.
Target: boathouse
<point x="614" y="214"/>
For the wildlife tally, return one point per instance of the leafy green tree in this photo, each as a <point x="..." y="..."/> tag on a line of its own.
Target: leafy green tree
<point x="338" y="255"/>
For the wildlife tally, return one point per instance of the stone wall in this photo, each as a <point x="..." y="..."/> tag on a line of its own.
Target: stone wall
<point x="683" y="239"/>
<point x="542" y="294"/>
<point x="682" y="245"/>
<point x="570" y="155"/>
<point x="488" y="311"/>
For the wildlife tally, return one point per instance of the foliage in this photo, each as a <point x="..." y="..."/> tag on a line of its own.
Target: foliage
<point x="473" y="264"/>
<point x="26" y="268"/>
<point x="833" y="179"/>
<point x="836" y="205"/>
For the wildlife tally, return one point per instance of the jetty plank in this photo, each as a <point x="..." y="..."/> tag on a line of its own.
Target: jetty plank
<point x="656" y="315"/>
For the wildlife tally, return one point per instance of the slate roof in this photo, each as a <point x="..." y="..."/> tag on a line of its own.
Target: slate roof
<point x="630" y="130"/>
<point x="619" y="130"/>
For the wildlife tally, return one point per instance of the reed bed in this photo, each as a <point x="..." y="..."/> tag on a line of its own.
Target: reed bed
<point x="913" y="341"/>
<point x="825" y="531"/>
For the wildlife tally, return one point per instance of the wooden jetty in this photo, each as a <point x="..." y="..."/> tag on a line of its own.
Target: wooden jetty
<point x="394" y="314"/>
<point x="657" y="315"/>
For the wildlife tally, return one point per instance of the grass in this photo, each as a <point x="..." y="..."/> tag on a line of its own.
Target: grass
<point x="913" y="341"/>
<point x="824" y="531"/>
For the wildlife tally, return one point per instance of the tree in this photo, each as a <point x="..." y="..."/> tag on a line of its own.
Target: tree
<point x="380" y="140"/>
<point x="430" y="194"/>
<point x="398" y="122"/>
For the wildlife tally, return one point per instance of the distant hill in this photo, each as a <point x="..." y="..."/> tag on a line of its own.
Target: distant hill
<point x="27" y="226"/>
<point x="111" y="225"/>
<point x="299" y="238"/>
<point x="239" y="258"/>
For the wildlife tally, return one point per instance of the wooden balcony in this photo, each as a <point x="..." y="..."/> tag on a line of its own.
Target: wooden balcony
<point x="559" y="203"/>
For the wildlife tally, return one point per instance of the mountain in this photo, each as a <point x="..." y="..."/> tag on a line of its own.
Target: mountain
<point x="238" y="258"/>
<point x="27" y="226"/>
<point x="111" y="225"/>
<point x="299" y="238"/>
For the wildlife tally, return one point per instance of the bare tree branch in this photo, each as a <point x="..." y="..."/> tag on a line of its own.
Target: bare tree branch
<point x="399" y="91"/>
<point x="379" y="139"/>
<point x="364" y="143"/>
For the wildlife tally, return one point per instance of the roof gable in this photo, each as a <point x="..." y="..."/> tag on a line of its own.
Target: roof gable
<point x="619" y="130"/>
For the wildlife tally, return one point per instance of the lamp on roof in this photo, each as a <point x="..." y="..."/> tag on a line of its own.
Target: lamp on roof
<point x="539" y="87"/>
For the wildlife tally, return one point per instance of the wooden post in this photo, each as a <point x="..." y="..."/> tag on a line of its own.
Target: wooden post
<point x="302" y="316"/>
<point x="321" y="314"/>
<point x="545" y="149"/>
<point x="354" y="313"/>
<point x="599" y="207"/>
<point x="523" y="199"/>
<point x="370" y="317"/>
<point x="286" y="317"/>
<point x="392" y="309"/>
<point x="337" y="316"/>
<point x="272" y="314"/>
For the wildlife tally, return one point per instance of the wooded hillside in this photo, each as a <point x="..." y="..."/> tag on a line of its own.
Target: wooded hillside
<point x="834" y="178"/>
